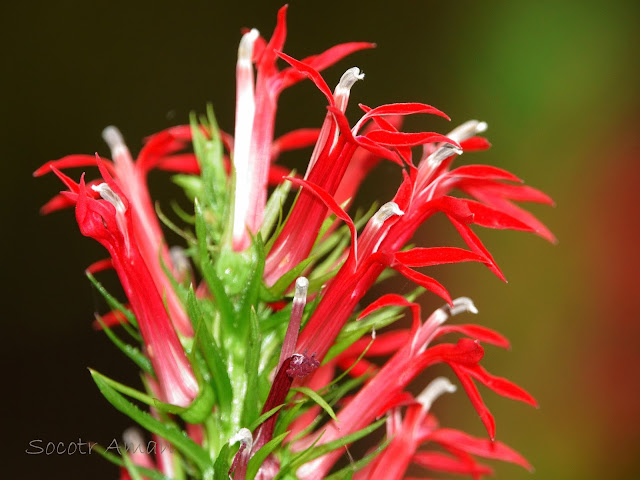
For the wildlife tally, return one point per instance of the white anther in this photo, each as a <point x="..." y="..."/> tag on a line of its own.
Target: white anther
<point x="467" y="130"/>
<point x="245" y="49"/>
<point x="133" y="436"/>
<point x="347" y="80"/>
<point x="302" y="285"/>
<point x="440" y="316"/>
<point x="438" y="387"/>
<point x="113" y="138"/>
<point x="385" y="212"/>
<point x="110" y="196"/>
<point x="436" y="158"/>
<point x="460" y="305"/>
<point x="179" y="258"/>
<point x="243" y="436"/>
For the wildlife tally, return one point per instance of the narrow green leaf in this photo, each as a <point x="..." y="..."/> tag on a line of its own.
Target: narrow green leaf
<point x="252" y="363"/>
<point x="273" y="209"/>
<point x="325" y="448"/>
<point x="298" y="459"/>
<point x="316" y="398"/>
<point x="262" y="454"/>
<point x="355" y="466"/>
<point x="288" y="278"/>
<point x="201" y="406"/>
<point x="225" y="307"/>
<point x="279" y="319"/>
<point x="113" y="303"/>
<point x="152" y="474"/>
<point x="251" y="293"/>
<point x="223" y="463"/>
<point x="285" y="420"/>
<point x="266" y="295"/>
<point x="178" y="438"/>
<point x="129" y="391"/>
<point x="130" y="351"/>
<point x="191" y="184"/>
<point x="211" y="353"/>
<point x="261" y="419"/>
<point x="180" y="212"/>
<point x="131" y="468"/>
<point x="172" y="226"/>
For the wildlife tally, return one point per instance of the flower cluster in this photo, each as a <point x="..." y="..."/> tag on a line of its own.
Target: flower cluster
<point x="256" y="355"/>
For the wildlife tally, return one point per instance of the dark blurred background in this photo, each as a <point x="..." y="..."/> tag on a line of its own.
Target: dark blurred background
<point x="557" y="83"/>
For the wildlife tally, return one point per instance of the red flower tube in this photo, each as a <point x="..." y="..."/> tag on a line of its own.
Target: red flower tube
<point x="109" y="221"/>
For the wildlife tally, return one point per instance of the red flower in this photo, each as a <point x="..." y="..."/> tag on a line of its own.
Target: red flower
<point x="131" y="178"/>
<point x="255" y="118"/>
<point x="110" y="221"/>
<point x="384" y="392"/>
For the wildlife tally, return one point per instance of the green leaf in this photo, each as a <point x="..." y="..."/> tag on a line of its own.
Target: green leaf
<point x="266" y="295"/>
<point x="225" y="307"/>
<point x="288" y="278"/>
<point x="115" y="304"/>
<point x="285" y="420"/>
<point x="130" y="351"/>
<point x="318" y="399"/>
<point x="152" y="474"/>
<point x="325" y="448"/>
<point x="265" y="416"/>
<point x="355" y="466"/>
<point x="211" y="353"/>
<point x="191" y="450"/>
<point x="250" y="295"/>
<point x="201" y="406"/>
<point x="172" y="226"/>
<point x="273" y="209"/>
<point x="252" y="363"/>
<point x="180" y="212"/>
<point x="346" y="372"/>
<point x="191" y="184"/>
<point x="262" y="454"/>
<point x="129" y="391"/>
<point x="131" y="468"/>
<point x="279" y="319"/>
<point x="223" y="463"/>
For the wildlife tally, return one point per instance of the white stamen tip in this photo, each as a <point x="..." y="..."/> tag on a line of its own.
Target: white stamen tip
<point x="467" y="130"/>
<point x="110" y="196"/>
<point x="386" y="211"/>
<point x="302" y="285"/>
<point x="442" y="153"/>
<point x="245" y="50"/>
<point x="438" y="387"/>
<point x="179" y="258"/>
<point x="373" y="333"/>
<point x="347" y="80"/>
<point x="243" y="436"/>
<point x="440" y="316"/>
<point x="133" y="436"/>
<point x="113" y="138"/>
<point x="462" y="304"/>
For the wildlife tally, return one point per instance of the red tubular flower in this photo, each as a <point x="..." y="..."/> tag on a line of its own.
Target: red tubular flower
<point x="385" y="390"/>
<point x="110" y="222"/>
<point x="423" y="193"/>
<point x="255" y="118"/>
<point x="131" y="179"/>
<point x="332" y="156"/>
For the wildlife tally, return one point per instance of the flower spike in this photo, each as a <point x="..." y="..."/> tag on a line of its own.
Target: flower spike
<point x="254" y="330"/>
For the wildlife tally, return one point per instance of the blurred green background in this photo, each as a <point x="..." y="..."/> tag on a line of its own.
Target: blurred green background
<point x="557" y="81"/>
